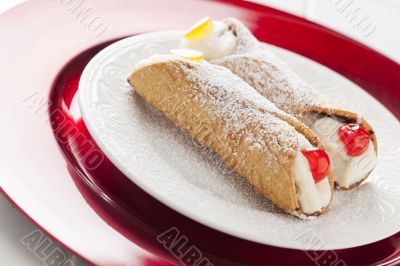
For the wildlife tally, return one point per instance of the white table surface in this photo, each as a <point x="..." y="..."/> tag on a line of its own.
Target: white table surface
<point x="383" y="14"/>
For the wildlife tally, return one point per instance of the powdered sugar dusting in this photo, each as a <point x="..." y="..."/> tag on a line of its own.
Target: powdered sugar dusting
<point x="229" y="90"/>
<point x="269" y="75"/>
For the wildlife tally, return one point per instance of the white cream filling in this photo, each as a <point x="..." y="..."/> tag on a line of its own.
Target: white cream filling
<point x="219" y="43"/>
<point x="348" y="170"/>
<point x="154" y="59"/>
<point x="311" y="196"/>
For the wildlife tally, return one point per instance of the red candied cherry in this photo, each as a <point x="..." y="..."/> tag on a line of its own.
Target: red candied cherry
<point x="355" y="139"/>
<point x="319" y="163"/>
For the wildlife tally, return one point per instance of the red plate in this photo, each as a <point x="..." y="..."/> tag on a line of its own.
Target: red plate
<point x="53" y="33"/>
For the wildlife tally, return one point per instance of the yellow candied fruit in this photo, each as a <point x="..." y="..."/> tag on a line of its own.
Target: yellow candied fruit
<point x="200" y="30"/>
<point x="189" y="54"/>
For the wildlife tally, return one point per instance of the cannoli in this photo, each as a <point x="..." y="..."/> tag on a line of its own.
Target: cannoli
<point x="275" y="152"/>
<point x="347" y="137"/>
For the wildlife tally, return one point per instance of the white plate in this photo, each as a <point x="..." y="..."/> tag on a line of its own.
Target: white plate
<point x="162" y="160"/>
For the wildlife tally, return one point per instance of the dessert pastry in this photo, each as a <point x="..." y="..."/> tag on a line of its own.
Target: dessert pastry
<point x="276" y="153"/>
<point x="347" y="137"/>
